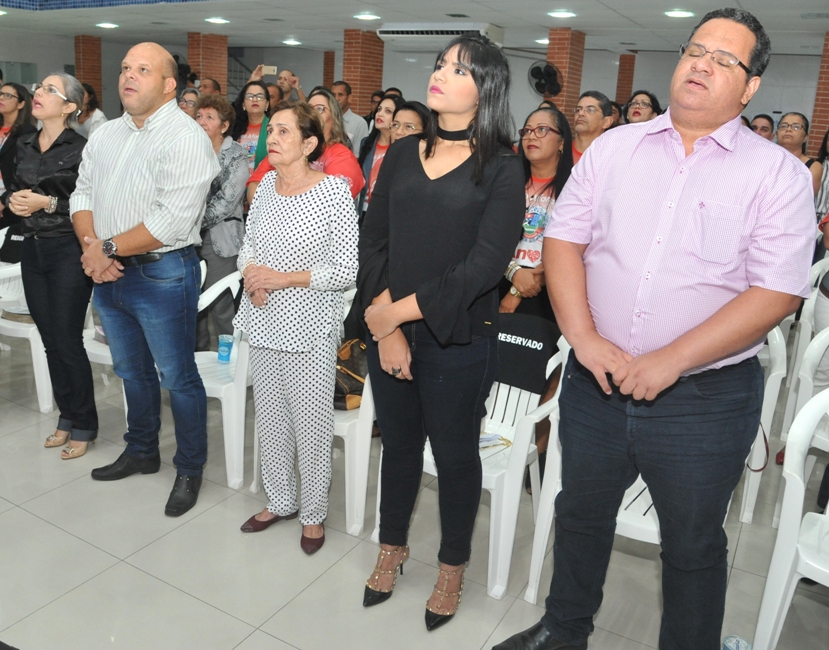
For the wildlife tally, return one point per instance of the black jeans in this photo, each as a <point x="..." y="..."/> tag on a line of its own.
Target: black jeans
<point x="445" y="402"/>
<point x="57" y="291"/>
<point x="690" y="446"/>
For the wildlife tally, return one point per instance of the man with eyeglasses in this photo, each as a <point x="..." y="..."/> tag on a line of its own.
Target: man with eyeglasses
<point x="355" y="126"/>
<point x="594" y="116"/>
<point x="676" y="245"/>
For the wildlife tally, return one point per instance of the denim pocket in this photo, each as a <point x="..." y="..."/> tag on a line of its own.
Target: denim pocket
<point x="169" y="268"/>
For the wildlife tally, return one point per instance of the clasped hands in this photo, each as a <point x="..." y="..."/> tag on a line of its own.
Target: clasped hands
<point x="260" y="281"/>
<point x="25" y="203"/>
<point x="97" y="265"/>
<point x="395" y="355"/>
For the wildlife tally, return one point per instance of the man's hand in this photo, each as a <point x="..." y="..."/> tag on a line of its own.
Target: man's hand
<point x="528" y="281"/>
<point x="294" y="81"/>
<point x="95" y="263"/>
<point x="647" y="375"/>
<point x="509" y="304"/>
<point x="25" y="203"/>
<point x="600" y="357"/>
<point x="256" y="75"/>
<point x="395" y="353"/>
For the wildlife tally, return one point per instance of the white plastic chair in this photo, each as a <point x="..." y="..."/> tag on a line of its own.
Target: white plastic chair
<point x="802" y="546"/>
<point x="773" y="357"/>
<point x="511" y="413"/>
<point x="40" y="367"/>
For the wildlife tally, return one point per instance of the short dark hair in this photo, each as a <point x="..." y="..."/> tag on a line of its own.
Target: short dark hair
<point x="392" y="89"/>
<point x="93" y="103"/>
<point x="763" y="116"/>
<point x="761" y="53"/>
<point x="423" y="112"/>
<point x="604" y="102"/>
<point x="223" y="108"/>
<point x="345" y="84"/>
<point x="214" y="82"/>
<point x="271" y="86"/>
<point x="745" y="121"/>
<point x="655" y="106"/>
<point x="617" y="106"/>
<point x="377" y="93"/>
<point x="309" y="123"/>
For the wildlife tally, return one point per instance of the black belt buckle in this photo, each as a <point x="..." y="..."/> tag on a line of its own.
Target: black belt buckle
<point x="138" y="260"/>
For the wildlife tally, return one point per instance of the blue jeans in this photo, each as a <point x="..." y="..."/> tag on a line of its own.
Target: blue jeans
<point x="690" y="446"/>
<point x="149" y="318"/>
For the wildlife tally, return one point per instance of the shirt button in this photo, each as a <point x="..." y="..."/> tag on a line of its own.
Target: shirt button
<point x="670" y="204"/>
<point x="638" y="312"/>
<point x="648" y="275"/>
<point x="659" y="240"/>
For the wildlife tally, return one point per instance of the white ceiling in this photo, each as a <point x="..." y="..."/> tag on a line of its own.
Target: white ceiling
<point x="319" y="24"/>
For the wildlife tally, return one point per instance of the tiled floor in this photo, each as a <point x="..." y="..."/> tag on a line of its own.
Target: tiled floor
<point x="97" y="565"/>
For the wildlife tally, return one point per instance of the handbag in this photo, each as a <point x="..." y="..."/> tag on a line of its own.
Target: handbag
<point x="352" y="368"/>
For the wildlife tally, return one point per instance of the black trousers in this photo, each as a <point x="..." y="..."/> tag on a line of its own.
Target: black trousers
<point x="444" y="402"/>
<point x="58" y="291"/>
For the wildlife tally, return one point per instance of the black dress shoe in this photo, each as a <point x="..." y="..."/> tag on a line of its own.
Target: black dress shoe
<point x="536" y="638"/>
<point x="126" y="466"/>
<point x="184" y="495"/>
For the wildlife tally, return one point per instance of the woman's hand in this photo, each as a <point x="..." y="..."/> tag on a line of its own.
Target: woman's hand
<point x="381" y="320"/>
<point x="396" y="355"/>
<point x="258" y="276"/>
<point x="529" y="281"/>
<point x="25" y="202"/>
<point x="509" y="304"/>
<point x="258" y="298"/>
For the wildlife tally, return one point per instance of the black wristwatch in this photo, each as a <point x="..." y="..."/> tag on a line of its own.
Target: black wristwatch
<point x="110" y="248"/>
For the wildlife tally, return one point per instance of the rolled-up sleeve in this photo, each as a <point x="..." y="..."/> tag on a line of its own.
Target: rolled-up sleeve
<point x="81" y="198"/>
<point x="186" y="169"/>
<point x="339" y="270"/>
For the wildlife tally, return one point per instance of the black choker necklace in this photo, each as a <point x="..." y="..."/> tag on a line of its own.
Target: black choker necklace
<point x="453" y="136"/>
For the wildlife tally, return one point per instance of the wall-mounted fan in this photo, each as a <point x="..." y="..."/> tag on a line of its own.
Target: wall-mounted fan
<point x="545" y="78"/>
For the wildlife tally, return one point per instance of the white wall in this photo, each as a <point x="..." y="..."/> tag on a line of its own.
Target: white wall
<point x="600" y="72"/>
<point x="27" y="47"/>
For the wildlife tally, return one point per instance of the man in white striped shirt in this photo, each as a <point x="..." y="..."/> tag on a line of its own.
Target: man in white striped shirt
<point x="136" y="209"/>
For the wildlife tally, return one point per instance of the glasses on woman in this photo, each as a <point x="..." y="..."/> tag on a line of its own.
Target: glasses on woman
<point x="640" y="105"/>
<point x="785" y="126"/>
<point x="189" y="103"/>
<point x="319" y="108"/>
<point x="539" y="131"/>
<point x="723" y="59"/>
<point x="49" y="89"/>
<point x="8" y="96"/>
<point x="410" y="128"/>
<point x="258" y="97"/>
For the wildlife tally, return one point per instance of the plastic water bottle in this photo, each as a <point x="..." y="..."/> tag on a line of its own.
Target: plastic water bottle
<point x="735" y="643"/>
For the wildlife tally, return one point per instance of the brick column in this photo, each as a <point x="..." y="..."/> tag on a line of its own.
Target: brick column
<point x="624" y="81"/>
<point x="362" y="67"/>
<point x="88" y="63"/>
<point x="328" y="68"/>
<point x="820" y="115"/>
<point x="566" y="51"/>
<point x="207" y="56"/>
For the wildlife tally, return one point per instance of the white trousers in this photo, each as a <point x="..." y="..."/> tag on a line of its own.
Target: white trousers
<point x="293" y="394"/>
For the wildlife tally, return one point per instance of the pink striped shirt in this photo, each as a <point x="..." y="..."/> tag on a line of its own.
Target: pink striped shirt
<point x="671" y="239"/>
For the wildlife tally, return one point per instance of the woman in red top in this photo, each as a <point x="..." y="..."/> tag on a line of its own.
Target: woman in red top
<point x="373" y="148"/>
<point x="250" y="107"/>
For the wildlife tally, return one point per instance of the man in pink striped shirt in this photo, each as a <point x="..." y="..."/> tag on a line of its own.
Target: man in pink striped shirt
<point x="674" y="248"/>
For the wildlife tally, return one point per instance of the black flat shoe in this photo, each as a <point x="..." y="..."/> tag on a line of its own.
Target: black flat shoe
<point x="184" y="495"/>
<point x="373" y="596"/>
<point x="536" y="638"/>
<point x="126" y="466"/>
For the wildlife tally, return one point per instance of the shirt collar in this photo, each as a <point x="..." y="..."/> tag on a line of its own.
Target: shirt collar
<point x="725" y="135"/>
<point x="159" y="117"/>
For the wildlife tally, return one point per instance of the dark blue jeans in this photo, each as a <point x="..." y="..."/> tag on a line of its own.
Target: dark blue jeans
<point x="149" y="318"/>
<point x="445" y="402"/>
<point x="690" y="446"/>
<point x="57" y="292"/>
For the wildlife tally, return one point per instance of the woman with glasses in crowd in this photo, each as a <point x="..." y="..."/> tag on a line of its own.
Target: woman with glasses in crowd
<point x="15" y="121"/>
<point x="91" y="116"/>
<point x="251" y="105"/>
<point x="410" y="118"/>
<point x="187" y="101"/>
<point x="337" y="159"/>
<point x="792" y="134"/>
<point x="643" y="106"/>
<point x="57" y="289"/>
<point x="439" y="232"/>
<point x="374" y="147"/>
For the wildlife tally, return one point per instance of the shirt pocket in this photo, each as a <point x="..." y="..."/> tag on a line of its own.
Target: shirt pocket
<point x="715" y="231"/>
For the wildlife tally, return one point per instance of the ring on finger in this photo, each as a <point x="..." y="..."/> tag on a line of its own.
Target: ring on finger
<point x="395" y="372"/>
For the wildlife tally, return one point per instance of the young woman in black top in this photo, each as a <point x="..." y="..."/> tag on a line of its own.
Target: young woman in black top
<point x="439" y="232"/>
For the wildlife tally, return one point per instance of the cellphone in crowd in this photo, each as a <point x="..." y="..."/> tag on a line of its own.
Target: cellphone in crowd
<point x="268" y="69"/>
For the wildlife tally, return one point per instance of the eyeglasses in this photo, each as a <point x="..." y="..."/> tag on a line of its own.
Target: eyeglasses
<point x="636" y="105"/>
<point x="585" y="109"/>
<point x="258" y="97"/>
<point x="794" y="126"/>
<point x="189" y="103"/>
<point x="539" y="131"/>
<point x="49" y="89"/>
<point x="411" y="128"/>
<point x="319" y="108"/>
<point x="9" y="96"/>
<point x="725" y="60"/>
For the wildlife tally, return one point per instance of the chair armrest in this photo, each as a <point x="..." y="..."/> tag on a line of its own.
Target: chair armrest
<point x="11" y="271"/>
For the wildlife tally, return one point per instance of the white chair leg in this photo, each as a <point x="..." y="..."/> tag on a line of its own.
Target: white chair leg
<point x="535" y="486"/>
<point x="257" y="469"/>
<point x="233" y="425"/>
<point x="357" y="457"/>
<point x="4" y="347"/>
<point x="375" y="534"/>
<point x="777" y="598"/>
<point x="499" y="533"/>
<point x="751" y="485"/>
<point x="43" y="381"/>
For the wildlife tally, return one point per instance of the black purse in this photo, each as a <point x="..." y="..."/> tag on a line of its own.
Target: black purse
<point x="352" y="368"/>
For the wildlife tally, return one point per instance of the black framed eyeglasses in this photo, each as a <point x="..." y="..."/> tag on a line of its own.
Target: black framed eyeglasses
<point x="189" y="103"/>
<point x="9" y="96"/>
<point x="639" y="105"/>
<point x="539" y="131"/>
<point x="255" y="98"/>
<point x="723" y="59"/>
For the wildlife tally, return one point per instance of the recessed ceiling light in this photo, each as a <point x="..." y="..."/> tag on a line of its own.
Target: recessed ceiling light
<point x="561" y="13"/>
<point x="542" y="41"/>
<point x="292" y="41"/>
<point x="412" y="60"/>
<point x="216" y="20"/>
<point x="2" y="13"/>
<point x="367" y="16"/>
<point x="679" y="13"/>
<point x="107" y="25"/>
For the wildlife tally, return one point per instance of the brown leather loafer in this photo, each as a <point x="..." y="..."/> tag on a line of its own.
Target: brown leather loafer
<point x="312" y="544"/>
<point x="253" y="525"/>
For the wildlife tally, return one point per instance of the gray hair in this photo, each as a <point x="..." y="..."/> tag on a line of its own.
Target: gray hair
<point x="190" y="91"/>
<point x="73" y="89"/>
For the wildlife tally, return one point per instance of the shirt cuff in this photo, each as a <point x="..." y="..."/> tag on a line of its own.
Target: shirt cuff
<point x="79" y="203"/>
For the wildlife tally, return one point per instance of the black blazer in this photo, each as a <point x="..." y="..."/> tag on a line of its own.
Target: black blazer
<point x="10" y="251"/>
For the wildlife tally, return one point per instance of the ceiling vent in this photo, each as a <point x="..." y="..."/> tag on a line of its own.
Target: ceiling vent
<point x="435" y="35"/>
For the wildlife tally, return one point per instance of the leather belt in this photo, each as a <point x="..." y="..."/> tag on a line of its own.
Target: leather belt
<point x="138" y="260"/>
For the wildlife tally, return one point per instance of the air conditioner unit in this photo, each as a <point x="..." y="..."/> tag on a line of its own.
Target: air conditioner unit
<point x="435" y="35"/>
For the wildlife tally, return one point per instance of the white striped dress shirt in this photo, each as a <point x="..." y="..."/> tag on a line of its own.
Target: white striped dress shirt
<point x="158" y="175"/>
<point x="672" y="238"/>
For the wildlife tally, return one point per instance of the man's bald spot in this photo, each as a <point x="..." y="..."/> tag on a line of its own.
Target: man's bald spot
<point x="168" y="65"/>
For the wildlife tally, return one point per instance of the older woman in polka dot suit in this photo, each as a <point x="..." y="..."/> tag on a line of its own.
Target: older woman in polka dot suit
<point x="298" y="256"/>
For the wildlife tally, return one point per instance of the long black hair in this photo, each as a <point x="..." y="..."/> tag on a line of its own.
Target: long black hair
<point x="491" y="128"/>
<point x="565" y="160"/>
<point x="93" y="103"/>
<point x="368" y="143"/>
<point x="822" y="152"/>
<point x="24" y="115"/>
<point x="242" y="122"/>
